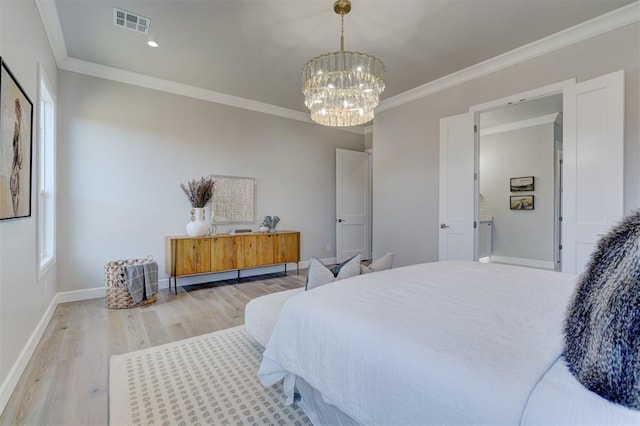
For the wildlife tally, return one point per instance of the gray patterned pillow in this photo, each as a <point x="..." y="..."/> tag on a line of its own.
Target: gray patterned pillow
<point x="318" y="274"/>
<point x="602" y="342"/>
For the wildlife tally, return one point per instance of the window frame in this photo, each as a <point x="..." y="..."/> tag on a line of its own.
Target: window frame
<point x="46" y="181"/>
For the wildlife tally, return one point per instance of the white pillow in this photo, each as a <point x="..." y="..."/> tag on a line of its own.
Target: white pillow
<point x="385" y="262"/>
<point x="319" y="274"/>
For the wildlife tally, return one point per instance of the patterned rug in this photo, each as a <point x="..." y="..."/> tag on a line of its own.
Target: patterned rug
<point x="209" y="379"/>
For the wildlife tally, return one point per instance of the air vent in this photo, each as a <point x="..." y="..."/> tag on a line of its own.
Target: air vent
<point x="130" y="21"/>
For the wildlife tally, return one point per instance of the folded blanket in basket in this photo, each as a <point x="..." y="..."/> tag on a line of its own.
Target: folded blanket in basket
<point x="142" y="280"/>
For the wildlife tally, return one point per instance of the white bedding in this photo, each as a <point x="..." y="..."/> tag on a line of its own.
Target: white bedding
<point x="560" y="400"/>
<point x="438" y="343"/>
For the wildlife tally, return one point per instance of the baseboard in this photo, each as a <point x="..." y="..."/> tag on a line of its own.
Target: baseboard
<point x="11" y="381"/>
<point x="541" y="264"/>
<point x="9" y="384"/>
<point x="77" y="295"/>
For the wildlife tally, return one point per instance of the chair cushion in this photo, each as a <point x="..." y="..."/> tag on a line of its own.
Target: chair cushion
<point x="262" y="313"/>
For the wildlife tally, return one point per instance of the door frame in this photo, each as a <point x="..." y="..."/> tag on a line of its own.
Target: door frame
<point x="540" y="92"/>
<point x="557" y="209"/>
<point x="367" y="250"/>
<point x="458" y="233"/>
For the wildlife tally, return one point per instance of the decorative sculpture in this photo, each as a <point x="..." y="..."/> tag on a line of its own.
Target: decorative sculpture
<point x="270" y="222"/>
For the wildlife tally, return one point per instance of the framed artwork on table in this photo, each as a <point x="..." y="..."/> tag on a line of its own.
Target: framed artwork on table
<point x="16" y="119"/>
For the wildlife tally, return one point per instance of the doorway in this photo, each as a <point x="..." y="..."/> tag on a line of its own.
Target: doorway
<point x="592" y="201"/>
<point x="353" y="205"/>
<point x="519" y="192"/>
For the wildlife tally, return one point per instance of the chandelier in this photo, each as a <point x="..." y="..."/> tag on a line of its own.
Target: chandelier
<point x="342" y="88"/>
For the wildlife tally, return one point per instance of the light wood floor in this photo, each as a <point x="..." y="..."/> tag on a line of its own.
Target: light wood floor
<point x="66" y="381"/>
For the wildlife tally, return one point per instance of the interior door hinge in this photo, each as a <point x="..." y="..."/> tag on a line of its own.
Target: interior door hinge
<point x="475" y="128"/>
<point x="475" y="176"/>
<point x="475" y="224"/>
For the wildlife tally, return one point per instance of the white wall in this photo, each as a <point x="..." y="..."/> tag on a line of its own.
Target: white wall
<point x="529" y="151"/>
<point x="23" y="297"/>
<point x="124" y="150"/>
<point x="405" y="138"/>
<point x="368" y="140"/>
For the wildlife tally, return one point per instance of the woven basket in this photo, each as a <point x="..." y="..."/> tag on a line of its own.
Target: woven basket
<point x="117" y="292"/>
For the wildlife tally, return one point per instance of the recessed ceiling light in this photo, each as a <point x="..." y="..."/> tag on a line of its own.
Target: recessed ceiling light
<point x="152" y="43"/>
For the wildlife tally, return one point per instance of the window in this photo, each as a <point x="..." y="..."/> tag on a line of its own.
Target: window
<point x="46" y="175"/>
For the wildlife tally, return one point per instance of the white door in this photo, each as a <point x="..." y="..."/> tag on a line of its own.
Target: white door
<point x="457" y="188"/>
<point x="593" y="146"/>
<point x="353" y="205"/>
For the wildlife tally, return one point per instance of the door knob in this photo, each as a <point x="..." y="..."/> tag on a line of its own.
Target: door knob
<point x="444" y="226"/>
<point x="341" y="220"/>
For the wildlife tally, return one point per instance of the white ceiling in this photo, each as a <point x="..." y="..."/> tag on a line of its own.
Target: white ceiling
<point x="255" y="49"/>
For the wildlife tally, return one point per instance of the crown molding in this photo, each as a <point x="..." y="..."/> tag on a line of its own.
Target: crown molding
<point x="51" y="22"/>
<point x="610" y="21"/>
<point x="607" y="22"/>
<point x="143" y="80"/>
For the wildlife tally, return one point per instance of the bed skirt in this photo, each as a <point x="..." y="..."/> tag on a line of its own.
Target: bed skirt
<point x="317" y="409"/>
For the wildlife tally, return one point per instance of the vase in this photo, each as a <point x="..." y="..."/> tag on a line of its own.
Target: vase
<point x="197" y="227"/>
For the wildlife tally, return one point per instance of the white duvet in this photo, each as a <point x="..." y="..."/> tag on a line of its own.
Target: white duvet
<point x="437" y="343"/>
<point x="560" y="400"/>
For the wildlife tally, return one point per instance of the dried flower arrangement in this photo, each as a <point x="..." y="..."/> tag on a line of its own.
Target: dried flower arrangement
<point x="199" y="192"/>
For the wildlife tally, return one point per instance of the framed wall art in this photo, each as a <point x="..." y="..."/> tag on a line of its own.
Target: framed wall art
<point x="234" y="199"/>
<point x="16" y="119"/>
<point x="521" y="202"/>
<point x="521" y="184"/>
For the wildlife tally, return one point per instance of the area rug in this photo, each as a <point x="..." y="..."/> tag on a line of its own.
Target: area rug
<point x="209" y="379"/>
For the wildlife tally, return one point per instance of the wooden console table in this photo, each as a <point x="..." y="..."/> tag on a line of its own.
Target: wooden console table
<point x="187" y="256"/>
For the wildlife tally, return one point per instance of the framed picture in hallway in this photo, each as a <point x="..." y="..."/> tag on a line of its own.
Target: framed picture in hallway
<point x="16" y="116"/>
<point x="521" y="184"/>
<point x="521" y="202"/>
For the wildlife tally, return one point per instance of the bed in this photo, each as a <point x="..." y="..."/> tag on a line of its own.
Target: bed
<point x="437" y="343"/>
